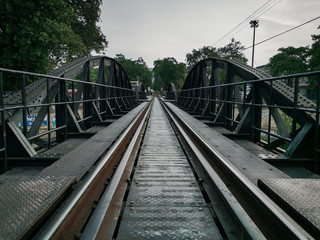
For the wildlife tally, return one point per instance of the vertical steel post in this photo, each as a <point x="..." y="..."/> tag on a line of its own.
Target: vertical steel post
<point x="316" y="147"/>
<point x="269" y="113"/>
<point x="225" y="106"/>
<point x="253" y="89"/>
<point x="61" y="112"/>
<point x="72" y="97"/>
<point x="295" y="103"/>
<point x="48" y="115"/>
<point x="24" y="105"/>
<point x="3" y="127"/>
<point x="244" y="99"/>
<point x="233" y="105"/>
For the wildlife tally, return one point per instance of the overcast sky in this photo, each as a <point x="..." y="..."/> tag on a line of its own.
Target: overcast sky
<point x="155" y="29"/>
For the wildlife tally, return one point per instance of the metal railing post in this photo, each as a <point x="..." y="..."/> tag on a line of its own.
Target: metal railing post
<point x="24" y="105"/>
<point x="295" y="103"/>
<point x="269" y="113"/>
<point x="253" y="89"/>
<point x="316" y="147"/>
<point x="3" y="127"/>
<point x="48" y="114"/>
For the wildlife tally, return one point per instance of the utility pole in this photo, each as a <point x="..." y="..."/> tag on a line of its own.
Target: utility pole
<point x="254" y="25"/>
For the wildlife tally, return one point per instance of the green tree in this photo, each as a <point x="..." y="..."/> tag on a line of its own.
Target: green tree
<point x="314" y="63"/>
<point x="289" y="60"/>
<point x="233" y="50"/>
<point x="137" y="70"/>
<point x="39" y="35"/>
<point x="167" y="71"/>
<point x="199" y="54"/>
<point x="85" y="25"/>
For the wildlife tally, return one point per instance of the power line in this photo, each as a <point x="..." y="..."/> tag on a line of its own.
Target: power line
<point x="261" y="10"/>
<point x="289" y="30"/>
<point x="228" y="33"/>
<point x="276" y="3"/>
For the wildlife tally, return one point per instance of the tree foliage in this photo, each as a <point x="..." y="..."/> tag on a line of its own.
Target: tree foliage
<point x="314" y="62"/>
<point x="232" y="50"/>
<point x="85" y="25"/>
<point x="137" y="70"/>
<point x="199" y="54"/>
<point x="167" y="71"/>
<point x="39" y="35"/>
<point x="289" y="60"/>
<point x="292" y="60"/>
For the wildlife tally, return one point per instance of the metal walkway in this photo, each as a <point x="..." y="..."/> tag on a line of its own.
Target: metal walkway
<point x="165" y="201"/>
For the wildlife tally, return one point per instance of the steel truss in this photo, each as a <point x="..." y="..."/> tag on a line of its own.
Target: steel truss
<point x="232" y="94"/>
<point x="76" y="104"/>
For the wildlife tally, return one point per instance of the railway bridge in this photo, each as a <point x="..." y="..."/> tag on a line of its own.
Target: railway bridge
<point x="233" y="155"/>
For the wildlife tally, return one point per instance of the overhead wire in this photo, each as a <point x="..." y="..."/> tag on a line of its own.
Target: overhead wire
<point x="261" y="10"/>
<point x="276" y="3"/>
<point x="259" y="15"/>
<point x="245" y="20"/>
<point x="279" y="34"/>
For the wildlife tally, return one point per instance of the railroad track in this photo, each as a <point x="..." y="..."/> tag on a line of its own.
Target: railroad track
<point x="161" y="180"/>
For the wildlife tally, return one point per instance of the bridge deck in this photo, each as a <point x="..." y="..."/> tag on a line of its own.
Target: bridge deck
<point x="78" y="161"/>
<point x="27" y="195"/>
<point x="165" y="201"/>
<point x="248" y="163"/>
<point x="26" y="200"/>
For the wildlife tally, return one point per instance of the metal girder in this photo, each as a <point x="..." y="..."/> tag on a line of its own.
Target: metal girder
<point x="222" y="102"/>
<point x="51" y="91"/>
<point x="43" y="110"/>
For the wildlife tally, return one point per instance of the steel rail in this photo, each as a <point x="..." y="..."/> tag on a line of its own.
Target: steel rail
<point x="260" y="209"/>
<point x="64" y="225"/>
<point x="100" y="226"/>
<point x="248" y="229"/>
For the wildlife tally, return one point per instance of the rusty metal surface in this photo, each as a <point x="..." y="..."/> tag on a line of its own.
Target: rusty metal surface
<point x="165" y="201"/>
<point x="300" y="197"/>
<point x="25" y="200"/>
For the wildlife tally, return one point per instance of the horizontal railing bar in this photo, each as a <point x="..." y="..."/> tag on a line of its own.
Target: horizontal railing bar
<point x="307" y="74"/>
<point x="50" y="77"/>
<point x="47" y="132"/>
<point x="271" y="134"/>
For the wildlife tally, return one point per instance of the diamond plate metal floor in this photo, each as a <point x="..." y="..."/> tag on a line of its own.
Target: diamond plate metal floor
<point x="299" y="197"/>
<point x="165" y="201"/>
<point x="24" y="200"/>
<point x="252" y="166"/>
